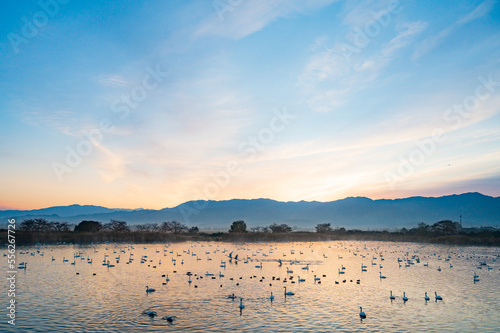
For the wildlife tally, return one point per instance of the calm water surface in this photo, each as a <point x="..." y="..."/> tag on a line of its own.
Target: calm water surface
<point x="56" y="295"/>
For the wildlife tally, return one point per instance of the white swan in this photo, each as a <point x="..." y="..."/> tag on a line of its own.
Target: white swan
<point x="288" y="293"/>
<point x="302" y="280"/>
<point x="272" y="296"/>
<point x="392" y="297"/>
<point x="404" y="297"/>
<point x="438" y="298"/>
<point x="231" y="296"/>
<point x="242" y="306"/>
<point x="426" y="297"/>
<point x="167" y="279"/>
<point x="149" y="290"/>
<point x="381" y="276"/>
<point x="361" y="313"/>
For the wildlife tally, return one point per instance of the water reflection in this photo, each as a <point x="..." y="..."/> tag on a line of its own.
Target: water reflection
<point x="289" y="287"/>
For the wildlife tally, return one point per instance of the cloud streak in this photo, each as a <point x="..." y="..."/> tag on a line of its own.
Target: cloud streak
<point x="248" y="17"/>
<point x="433" y="42"/>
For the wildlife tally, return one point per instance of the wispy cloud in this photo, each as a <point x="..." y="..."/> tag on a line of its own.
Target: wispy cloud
<point x="358" y="13"/>
<point x="329" y="77"/>
<point x="484" y="8"/>
<point x="248" y="17"/>
<point x="432" y="42"/>
<point x="406" y="34"/>
<point x="63" y="121"/>
<point x="112" y="80"/>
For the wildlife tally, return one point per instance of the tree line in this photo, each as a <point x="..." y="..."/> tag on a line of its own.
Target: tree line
<point x="39" y="230"/>
<point x="441" y="228"/>
<point x="42" y="225"/>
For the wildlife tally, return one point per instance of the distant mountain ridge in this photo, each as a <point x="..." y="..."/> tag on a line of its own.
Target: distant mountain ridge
<point x="64" y="211"/>
<point x="476" y="210"/>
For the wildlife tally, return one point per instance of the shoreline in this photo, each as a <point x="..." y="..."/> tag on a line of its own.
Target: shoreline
<point x="29" y="238"/>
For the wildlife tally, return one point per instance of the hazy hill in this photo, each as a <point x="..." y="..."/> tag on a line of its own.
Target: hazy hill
<point x="476" y="209"/>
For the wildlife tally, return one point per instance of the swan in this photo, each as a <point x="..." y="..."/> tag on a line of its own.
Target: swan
<point x="170" y="319"/>
<point x="426" y="297"/>
<point x="22" y="265"/>
<point x="150" y="313"/>
<point x="242" y="306"/>
<point x="302" y="280"/>
<point x="167" y="279"/>
<point x="361" y="313"/>
<point x="381" y="276"/>
<point x="404" y="297"/>
<point x="231" y="296"/>
<point x="438" y="298"/>
<point x="439" y="269"/>
<point x="341" y="272"/>
<point x="272" y="296"/>
<point x="316" y="278"/>
<point x="149" y="290"/>
<point x="392" y="297"/>
<point x="288" y="293"/>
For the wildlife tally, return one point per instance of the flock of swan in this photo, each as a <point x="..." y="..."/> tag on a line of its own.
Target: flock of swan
<point x="263" y="258"/>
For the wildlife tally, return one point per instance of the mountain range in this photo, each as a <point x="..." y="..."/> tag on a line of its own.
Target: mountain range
<point x="473" y="209"/>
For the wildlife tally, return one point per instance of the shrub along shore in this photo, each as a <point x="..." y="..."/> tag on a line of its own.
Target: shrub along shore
<point x="39" y="231"/>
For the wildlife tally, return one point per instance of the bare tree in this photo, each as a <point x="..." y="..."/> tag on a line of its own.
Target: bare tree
<point x="116" y="226"/>
<point x="151" y="227"/>
<point x="173" y="227"/>
<point x="281" y="228"/>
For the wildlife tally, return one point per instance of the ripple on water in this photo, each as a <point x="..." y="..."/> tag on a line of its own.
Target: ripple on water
<point x="52" y="297"/>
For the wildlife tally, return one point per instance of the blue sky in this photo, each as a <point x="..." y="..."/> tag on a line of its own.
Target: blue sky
<point x="132" y="104"/>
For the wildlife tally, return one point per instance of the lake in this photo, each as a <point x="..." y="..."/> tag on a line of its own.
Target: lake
<point x="83" y="295"/>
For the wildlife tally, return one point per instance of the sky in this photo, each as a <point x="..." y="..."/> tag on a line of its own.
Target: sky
<point x="132" y="104"/>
